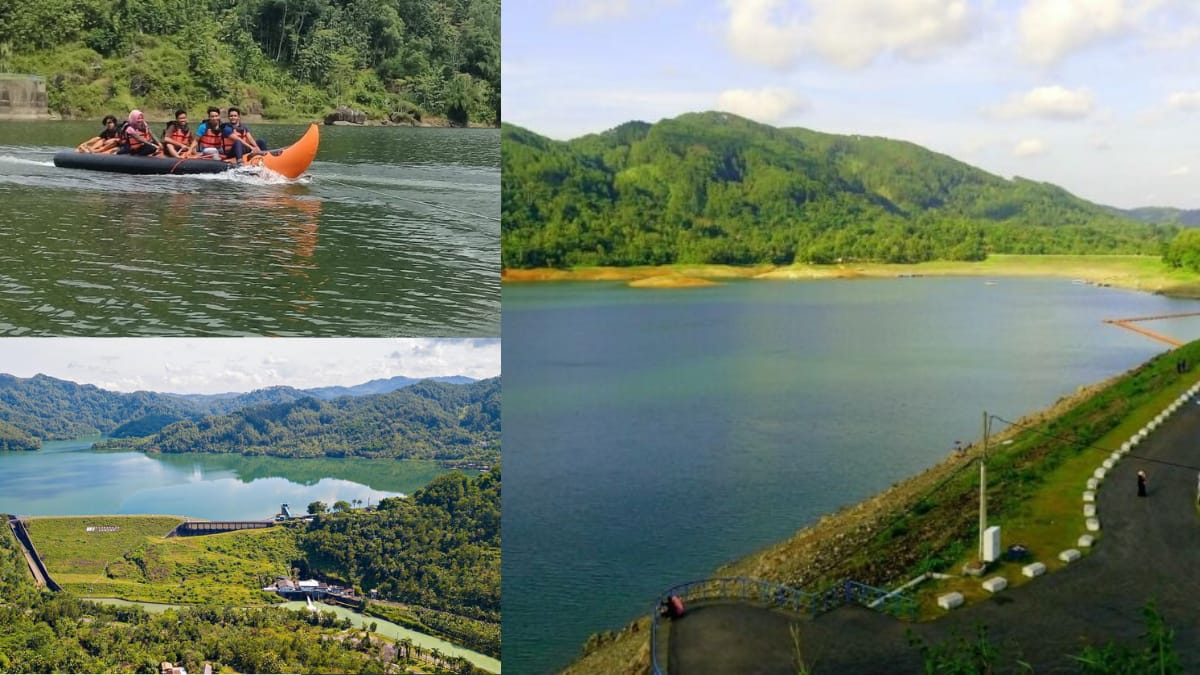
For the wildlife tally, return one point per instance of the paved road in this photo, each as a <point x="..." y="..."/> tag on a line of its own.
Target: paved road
<point x="1150" y="550"/>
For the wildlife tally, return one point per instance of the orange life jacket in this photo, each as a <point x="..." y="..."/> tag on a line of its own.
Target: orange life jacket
<point x="133" y="137"/>
<point x="178" y="135"/>
<point x="213" y="138"/>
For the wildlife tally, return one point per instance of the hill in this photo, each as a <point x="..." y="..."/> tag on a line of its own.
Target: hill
<point x="381" y="386"/>
<point x="714" y="188"/>
<point x="46" y="408"/>
<point x="51" y="409"/>
<point x="427" y="420"/>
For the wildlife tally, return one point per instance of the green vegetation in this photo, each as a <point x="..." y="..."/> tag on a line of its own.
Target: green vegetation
<point x="137" y="563"/>
<point x="407" y="59"/>
<point x="426" y="420"/>
<point x="429" y="420"/>
<point x="716" y="188"/>
<point x="12" y="438"/>
<point x="439" y="549"/>
<point x="48" y="633"/>
<point x="52" y="409"/>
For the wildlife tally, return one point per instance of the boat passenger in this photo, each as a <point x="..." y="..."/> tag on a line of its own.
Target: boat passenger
<point x="243" y="132"/>
<point x="178" y="140"/>
<point x="136" y="137"/>
<point x="216" y="140"/>
<point x="106" y="141"/>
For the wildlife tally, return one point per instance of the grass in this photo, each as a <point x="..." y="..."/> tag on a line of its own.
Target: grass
<point x="1144" y="273"/>
<point x="138" y="563"/>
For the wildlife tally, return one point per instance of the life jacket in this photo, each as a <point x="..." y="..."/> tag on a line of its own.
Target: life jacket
<point x="133" y="137"/>
<point x="174" y="133"/>
<point x="213" y="138"/>
<point x="242" y="133"/>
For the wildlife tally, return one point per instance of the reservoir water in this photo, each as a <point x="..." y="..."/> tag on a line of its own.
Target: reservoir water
<point x="394" y="232"/>
<point x="652" y="435"/>
<point x="68" y="478"/>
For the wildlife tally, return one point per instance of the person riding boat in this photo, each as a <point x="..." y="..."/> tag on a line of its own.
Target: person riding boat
<point x="243" y="132"/>
<point x="106" y="141"/>
<point x="136" y="137"/>
<point x="178" y="140"/>
<point x="217" y="139"/>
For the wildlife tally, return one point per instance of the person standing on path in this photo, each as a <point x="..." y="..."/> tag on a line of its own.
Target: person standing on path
<point x="1141" y="483"/>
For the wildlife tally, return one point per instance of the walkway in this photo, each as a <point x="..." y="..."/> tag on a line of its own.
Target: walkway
<point x="1150" y="549"/>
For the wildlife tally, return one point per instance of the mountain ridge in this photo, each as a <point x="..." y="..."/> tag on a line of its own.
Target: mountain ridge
<point x="715" y="188"/>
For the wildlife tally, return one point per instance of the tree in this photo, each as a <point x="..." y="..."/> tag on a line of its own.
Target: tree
<point x="341" y="506"/>
<point x="317" y="508"/>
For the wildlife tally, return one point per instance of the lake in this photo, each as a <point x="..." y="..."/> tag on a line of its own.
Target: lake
<point x="68" y="478"/>
<point x="653" y="435"/>
<point x="393" y="232"/>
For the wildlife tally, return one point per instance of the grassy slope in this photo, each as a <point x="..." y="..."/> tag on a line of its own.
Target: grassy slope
<point x="1035" y="488"/>
<point x="1145" y="273"/>
<point x="137" y="563"/>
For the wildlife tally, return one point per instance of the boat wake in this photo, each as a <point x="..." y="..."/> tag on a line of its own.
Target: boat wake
<point x="251" y="175"/>
<point x="9" y="159"/>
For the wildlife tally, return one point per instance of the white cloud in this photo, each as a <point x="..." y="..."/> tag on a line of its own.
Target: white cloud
<point x="1053" y="102"/>
<point x="1052" y="29"/>
<point x="765" y="105"/>
<point x="849" y="33"/>
<point x="1185" y="100"/>
<point x="1180" y="171"/>
<point x="1030" y="147"/>
<point x="754" y="35"/>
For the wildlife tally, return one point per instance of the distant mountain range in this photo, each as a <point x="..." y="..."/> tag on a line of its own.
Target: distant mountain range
<point x="717" y="188"/>
<point x="348" y="421"/>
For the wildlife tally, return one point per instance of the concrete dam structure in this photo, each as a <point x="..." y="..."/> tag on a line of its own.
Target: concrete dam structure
<point x="23" y="97"/>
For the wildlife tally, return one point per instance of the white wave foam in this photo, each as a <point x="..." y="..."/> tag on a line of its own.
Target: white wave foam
<point x="252" y="175"/>
<point x="21" y="160"/>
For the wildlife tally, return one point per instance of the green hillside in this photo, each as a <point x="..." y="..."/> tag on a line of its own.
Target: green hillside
<point x="428" y="420"/>
<point x="714" y="188"/>
<point x="284" y="59"/>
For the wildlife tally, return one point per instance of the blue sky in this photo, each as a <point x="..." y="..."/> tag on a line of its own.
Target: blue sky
<point x="1101" y="97"/>
<point x="218" y="365"/>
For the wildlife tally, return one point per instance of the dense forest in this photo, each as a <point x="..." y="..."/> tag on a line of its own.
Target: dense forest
<point x="58" y="633"/>
<point x="717" y="188"/>
<point x="410" y="59"/>
<point x="51" y="409"/>
<point x="46" y="408"/>
<point x="427" y="420"/>
<point x="439" y="549"/>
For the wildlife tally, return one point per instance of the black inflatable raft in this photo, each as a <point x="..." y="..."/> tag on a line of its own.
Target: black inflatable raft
<point x="69" y="159"/>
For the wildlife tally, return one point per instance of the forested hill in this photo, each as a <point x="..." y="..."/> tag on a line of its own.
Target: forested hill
<point x="428" y="420"/>
<point x="280" y="58"/>
<point x="51" y="409"/>
<point x="716" y="188"/>
<point x="46" y="408"/>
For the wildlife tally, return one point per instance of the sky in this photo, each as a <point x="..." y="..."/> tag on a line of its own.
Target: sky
<point x="1101" y="97"/>
<point x="218" y="365"/>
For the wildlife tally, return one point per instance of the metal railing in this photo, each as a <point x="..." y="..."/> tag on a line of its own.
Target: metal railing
<point x="778" y="596"/>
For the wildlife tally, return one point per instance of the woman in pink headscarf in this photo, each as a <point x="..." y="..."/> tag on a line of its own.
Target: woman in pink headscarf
<point x="136" y="137"/>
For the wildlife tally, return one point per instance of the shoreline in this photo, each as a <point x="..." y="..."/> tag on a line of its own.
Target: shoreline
<point x="1138" y="273"/>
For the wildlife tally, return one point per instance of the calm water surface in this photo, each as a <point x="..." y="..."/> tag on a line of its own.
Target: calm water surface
<point x="393" y="232"/>
<point x="67" y="478"/>
<point x="652" y="435"/>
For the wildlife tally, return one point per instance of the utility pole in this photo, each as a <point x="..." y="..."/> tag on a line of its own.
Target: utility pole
<point x="983" y="486"/>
